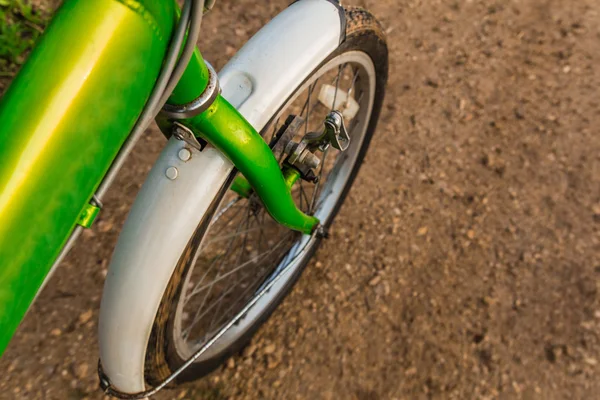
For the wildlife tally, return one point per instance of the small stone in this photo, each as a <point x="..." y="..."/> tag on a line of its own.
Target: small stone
<point x="487" y="300"/>
<point x="231" y="363"/>
<point x="375" y="280"/>
<point x="572" y="369"/>
<point x="55" y="332"/>
<point x="422" y="231"/>
<point x="590" y="361"/>
<point x="86" y="316"/>
<point x="81" y="370"/>
<point x="230" y="50"/>
<point x="12" y="366"/>
<point x="319" y="264"/>
<point x="432" y="83"/>
<point x="272" y="363"/>
<point x="270" y="349"/>
<point x="589" y="325"/>
<point x="88" y="234"/>
<point x="182" y="394"/>
<point x="411" y="371"/>
<point x="386" y="289"/>
<point x="105" y="226"/>
<point x="248" y="351"/>
<point x="519" y="113"/>
<point x="471" y="234"/>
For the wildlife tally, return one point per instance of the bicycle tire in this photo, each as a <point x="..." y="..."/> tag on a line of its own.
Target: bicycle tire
<point x="363" y="34"/>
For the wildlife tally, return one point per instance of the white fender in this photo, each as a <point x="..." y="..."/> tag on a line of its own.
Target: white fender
<point x="169" y="207"/>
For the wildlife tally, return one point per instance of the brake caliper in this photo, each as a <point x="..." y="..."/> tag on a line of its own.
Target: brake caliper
<point x="301" y="155"/>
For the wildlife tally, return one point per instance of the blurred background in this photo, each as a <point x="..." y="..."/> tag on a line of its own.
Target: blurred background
<point x="465" y="263"/>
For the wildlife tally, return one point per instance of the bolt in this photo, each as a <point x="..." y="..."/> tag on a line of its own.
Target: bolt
<point x="172" y="173"/>
<point x="336" y="118"/>
<point x="322" y="232"/>
<point x="310" y="160"/>
<point x="185" y="154"/>
<point x="178" y="134"/>
<point x="104" y="384"/>
<point x="311" y="177"/>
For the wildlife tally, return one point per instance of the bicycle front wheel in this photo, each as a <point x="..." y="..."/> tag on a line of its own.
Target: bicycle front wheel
<point x="238" y="248"/>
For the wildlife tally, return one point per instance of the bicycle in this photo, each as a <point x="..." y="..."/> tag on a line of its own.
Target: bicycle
<point x="259" y="160"/>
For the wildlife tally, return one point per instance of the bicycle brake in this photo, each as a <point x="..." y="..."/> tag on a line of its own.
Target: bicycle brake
<point x="301" y="155"/>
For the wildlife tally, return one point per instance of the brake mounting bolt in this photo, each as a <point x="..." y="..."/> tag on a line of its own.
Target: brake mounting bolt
<point x="185" y="154"/>
<point x="172" y="173"/>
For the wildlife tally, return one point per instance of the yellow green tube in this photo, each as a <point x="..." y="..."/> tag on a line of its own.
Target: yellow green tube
<point x="62" y="122"/>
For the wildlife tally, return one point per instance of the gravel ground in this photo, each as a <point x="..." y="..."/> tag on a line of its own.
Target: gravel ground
<point x="465" y="263"/>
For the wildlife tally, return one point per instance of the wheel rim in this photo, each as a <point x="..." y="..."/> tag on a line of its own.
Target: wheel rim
<point x="244" y="248"/>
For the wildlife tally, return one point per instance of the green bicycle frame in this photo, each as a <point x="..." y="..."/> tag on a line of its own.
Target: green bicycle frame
<point x="68" y="113"/>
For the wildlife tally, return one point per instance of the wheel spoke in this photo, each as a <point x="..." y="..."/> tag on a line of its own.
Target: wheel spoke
<point x="221" y="238"/>
<point x="341" y="69"/>
<point x="245" y="264"/>
<point x="303" y="196"/>
<point x="305" y="106"/>
<point x="275" y="128"/>
<point x="310" y="107"/>
<point x="247" y="290"/>
<point x="226" y="208"/>
<point x="211" y="285"/>
<point x="220" y="259"/>
<point x="226" y="224"/>
<point x="351" y="90"/>
<point x="231" y="288"/>
<point x="319" y="182"/>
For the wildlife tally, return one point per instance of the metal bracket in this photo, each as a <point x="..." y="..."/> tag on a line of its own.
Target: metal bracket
<point x="301" y="154"/>
<point x="285" y="134"/>
<point x="185" y="134"/>
<point x="199" y="105"/>
<point x="88" y="216"/>
<point x="322" y="232"/>
<point x="335" y="133"/>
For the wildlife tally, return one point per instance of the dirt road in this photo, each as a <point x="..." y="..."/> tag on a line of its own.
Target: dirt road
<point x="466" y="261"/>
